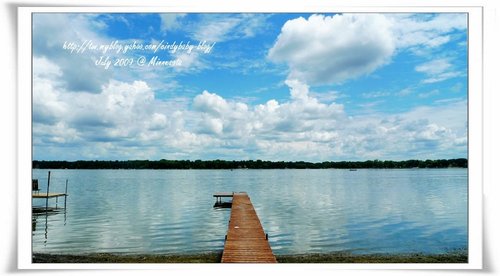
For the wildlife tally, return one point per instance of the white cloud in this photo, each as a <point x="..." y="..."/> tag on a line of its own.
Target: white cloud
<point x="125" y="121"/>
<point x="453" y="115"/>
<point x="120" y="113"/>
<point x="47" y="107"/>
<point x="405" y="92"/>
<point x="190" y="62"/>
<point x="375" y="94"/>
<point x="431" y="93"/>
<point x="45" y="68"/>
<point x="157" y="122"/>
<point x="213" y="29"/>
<point x="212" y="125"/>
<point x="368" y="107"/>
<point x="298" y="91"/>
<point x="211" y="103"/>
<point x="437" y="70"/>
<point x="223" y="27"/>
<point x="442" y="77"/>
<point x="331" y="49"/>
<point x="436" y="66"/>
<point x="49" y="35"/>
<point x="306" y="129"/>
<point x="329" y="96"/>
<point x="298" y="125"/>
<point x="412" y="30"/>
<point x="253" y="24"/>
<point x="216" y="30"/>
<point x="170" y="21"/>
<point x="424" y="132"/>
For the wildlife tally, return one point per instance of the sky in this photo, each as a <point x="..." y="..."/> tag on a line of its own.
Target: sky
<point x="234" y="86"/>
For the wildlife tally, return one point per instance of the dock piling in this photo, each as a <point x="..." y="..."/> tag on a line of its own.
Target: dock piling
<point x="47" y="199"/>
<point x="65" y="193"/>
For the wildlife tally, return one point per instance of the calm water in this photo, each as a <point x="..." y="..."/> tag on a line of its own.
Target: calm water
<point x="303" y="211"/>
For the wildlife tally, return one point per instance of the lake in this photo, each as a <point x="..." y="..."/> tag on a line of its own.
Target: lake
<point x="303" y="211"/>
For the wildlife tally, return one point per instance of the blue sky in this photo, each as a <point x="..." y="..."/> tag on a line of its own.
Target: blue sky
<point x="286" y="86"/>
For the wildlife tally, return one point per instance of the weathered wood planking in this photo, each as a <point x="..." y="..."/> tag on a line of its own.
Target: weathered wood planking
<point x="246" y="240"/>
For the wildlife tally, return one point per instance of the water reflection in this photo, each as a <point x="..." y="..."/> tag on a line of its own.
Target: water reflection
<point x="41" y="215"/>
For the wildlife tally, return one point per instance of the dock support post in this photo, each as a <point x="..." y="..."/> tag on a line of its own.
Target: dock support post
<point x="47" y="199"/>
<point x="65" y="193"/>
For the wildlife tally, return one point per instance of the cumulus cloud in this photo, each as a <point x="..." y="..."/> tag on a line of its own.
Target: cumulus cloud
<point x="303" y="128"/>
<point x="332" y="49"/>
<point x="117" y="111"/>
<point x="423" y="132"/>
<point x="78" y="70"/>
<point x="212" y="104"/>
<point x="126" y="121"/>
<point x="120" y="114"/>
<point x="47" y="107"/>
<point x="300" y="123"/>
<point x="297" y="115"/>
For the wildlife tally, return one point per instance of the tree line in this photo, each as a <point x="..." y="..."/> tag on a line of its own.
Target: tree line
<point x="249" y="164"/>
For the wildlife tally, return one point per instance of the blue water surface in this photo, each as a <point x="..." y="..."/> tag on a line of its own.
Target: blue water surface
<point x="303" y="211"/>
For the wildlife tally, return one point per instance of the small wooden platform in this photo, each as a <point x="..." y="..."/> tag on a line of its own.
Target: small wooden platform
<point x="45" y="195"/>
<point x="246" y="241"/>
<point x="218" y="200"/>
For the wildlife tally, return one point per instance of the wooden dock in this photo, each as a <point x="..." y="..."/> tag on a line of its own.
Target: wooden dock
<point x="246" y="241"/>
<point x="35" y="192"/>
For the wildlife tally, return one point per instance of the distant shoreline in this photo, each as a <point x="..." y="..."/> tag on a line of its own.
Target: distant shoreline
<point x="249" y="164"/>
<point x="215" y="257"/>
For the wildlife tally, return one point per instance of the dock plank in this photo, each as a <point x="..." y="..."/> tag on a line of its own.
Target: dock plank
<point x="246" y="240"/>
